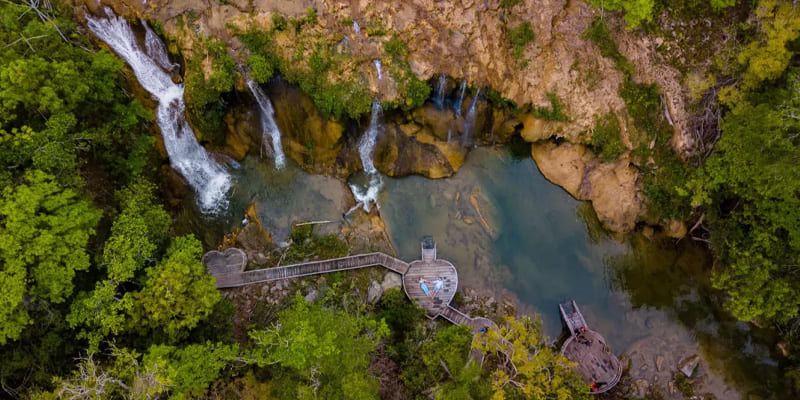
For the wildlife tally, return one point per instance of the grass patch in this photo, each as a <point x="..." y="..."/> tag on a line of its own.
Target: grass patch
<point x="606" y="139"/>
<point x="553" y="113"/>
<point x="520" y="37"/>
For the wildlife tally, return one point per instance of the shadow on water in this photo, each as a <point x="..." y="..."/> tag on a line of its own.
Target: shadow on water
<point x="507" y="229"/>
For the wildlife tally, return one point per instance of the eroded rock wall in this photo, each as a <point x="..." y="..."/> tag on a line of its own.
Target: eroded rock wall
<point x="463" y="39"/>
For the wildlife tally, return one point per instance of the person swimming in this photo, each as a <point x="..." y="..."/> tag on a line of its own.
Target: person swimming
<point x="424" y="286"/>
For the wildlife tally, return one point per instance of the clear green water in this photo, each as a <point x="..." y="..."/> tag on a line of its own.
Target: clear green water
<point x="512" y="233"/>
<point x="541" y="247"/>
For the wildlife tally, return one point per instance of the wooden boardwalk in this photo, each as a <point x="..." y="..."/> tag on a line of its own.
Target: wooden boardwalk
<point x="230" y="279"/>
<point x="429" y="282"/>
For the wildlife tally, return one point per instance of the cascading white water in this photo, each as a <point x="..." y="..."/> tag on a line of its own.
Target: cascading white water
<point x="462" y="89"/>
<point x="210" y="180"/>
<point x="366" y="146"/>
<point x="377" y="64"/>
<point x="469" y="120"/>
<point x="154" y="48"/>
<point x="438" y="95"/>
<point x="269" y="129"/>
<point x="356" y="27"/>
<point x="368" y="195"/>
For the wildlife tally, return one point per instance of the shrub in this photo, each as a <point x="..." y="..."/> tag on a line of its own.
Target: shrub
<point x="520" y="37"/>
<point x="553" y="113"/>
<point x="599" y="35"/>
<point x="606" y="141"/>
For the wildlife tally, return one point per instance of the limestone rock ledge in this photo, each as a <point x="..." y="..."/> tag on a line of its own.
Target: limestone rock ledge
<point x="613" y="188"/>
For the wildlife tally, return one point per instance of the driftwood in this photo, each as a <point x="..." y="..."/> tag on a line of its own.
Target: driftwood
<point x="704" y="125"/>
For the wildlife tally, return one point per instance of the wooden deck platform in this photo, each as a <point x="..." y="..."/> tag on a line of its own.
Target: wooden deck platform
<point x="596" y="364"/>
<point x="432" y="273"/>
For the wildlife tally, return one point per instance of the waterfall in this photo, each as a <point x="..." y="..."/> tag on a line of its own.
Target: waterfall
<point x="366" y="147"/>
<point x="462" y="89"/>
<point x="268" y="126"/>
<point x="438" y="94"/>
<point x="469" y="121"/>
<point x="377" y="64"/>
<point x="154" y="48"/>
<point x="210" y="180"/>
<point x="367" y="195"/>
<point x="356" y="27"/>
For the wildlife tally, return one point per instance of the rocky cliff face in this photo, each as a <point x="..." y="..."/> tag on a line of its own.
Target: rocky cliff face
<point x="466" y="39"/>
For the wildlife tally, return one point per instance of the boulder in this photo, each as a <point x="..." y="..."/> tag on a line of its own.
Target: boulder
<point x="613" y="188"/>
<point x="688" y="365"/>
<point x="392" y="280"/>
<point x="374" y="292"/>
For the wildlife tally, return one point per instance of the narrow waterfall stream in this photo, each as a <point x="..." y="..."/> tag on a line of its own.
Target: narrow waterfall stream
<point x="367" y="194"/>
<point x="209" y="179"/>
<point x="469" y="120"/>
<point x="438" y="94"/>
<point x="270" y="133"/>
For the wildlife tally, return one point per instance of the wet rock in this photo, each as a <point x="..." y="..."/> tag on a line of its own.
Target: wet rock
<point x="174" y="187"/>
<point x="311" y="140"/>
<point x="253" y="238"/>
<point x="374" y="292"/>
<point x="402" y="151"/>
<point x="688" y="365"/>
<point x="391" y="280"/>
<point x="438" y="122"/>
<point x="240" y="133"/>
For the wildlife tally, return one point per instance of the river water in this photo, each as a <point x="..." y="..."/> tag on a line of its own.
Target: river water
<point x="513" y="234"/>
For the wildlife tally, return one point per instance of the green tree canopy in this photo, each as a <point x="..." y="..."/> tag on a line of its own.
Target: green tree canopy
<point x="44" y="231"/>
<point x="750" y="187"/>
<point x="324" y="352"/>
<point x="178" y="292"/>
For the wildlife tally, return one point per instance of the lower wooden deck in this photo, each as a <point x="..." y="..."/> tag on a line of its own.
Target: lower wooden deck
<point x="595" y="361"/>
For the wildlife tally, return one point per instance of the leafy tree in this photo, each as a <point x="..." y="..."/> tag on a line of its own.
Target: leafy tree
<point x="525" y="367"/>
<point x="44" y="231"/>
<point x="443" y="362"/>
<point x="188" y="371"/>
<point x="636" y="11"/>
<point x="749" y="187"/>
<point x="136" y="235"/>
<point x="766" y="57"/>
<point x="324" y="352"/>
<point x="178" y="292"/>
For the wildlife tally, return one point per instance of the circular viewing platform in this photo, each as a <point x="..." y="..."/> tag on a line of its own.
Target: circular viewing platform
<point x="596" y="364"/>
